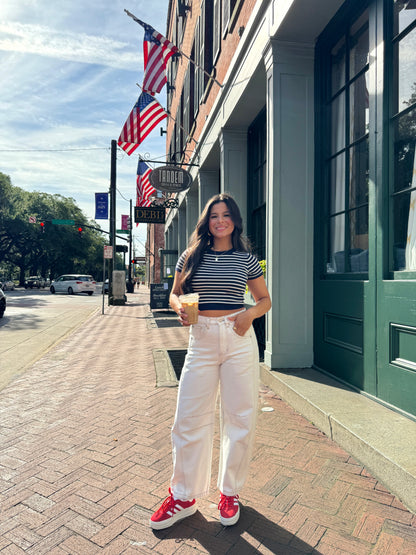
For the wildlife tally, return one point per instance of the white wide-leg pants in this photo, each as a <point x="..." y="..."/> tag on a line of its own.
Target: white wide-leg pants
<point x="216" y="356"/>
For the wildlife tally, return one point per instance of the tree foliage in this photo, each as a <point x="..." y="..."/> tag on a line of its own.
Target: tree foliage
<point x="26" y="250"/>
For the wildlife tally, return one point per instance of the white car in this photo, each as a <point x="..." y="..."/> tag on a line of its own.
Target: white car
<point x="6" y="284"/>
<point x="73" y="283"/>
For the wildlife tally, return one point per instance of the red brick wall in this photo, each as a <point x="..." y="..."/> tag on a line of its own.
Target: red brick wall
<point x="155" y="241"/>
<point x="228" y="48"/>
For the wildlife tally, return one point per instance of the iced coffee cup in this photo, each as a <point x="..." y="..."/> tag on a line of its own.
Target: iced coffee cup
<point x="189" y="303"/>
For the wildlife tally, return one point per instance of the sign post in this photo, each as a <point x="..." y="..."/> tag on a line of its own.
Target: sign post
<point x="108" y="253"/>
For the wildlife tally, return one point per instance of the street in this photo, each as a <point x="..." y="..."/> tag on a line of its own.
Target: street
<point x="34" y="321"/>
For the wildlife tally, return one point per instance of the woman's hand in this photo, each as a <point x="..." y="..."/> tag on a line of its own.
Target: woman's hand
<point x="242" y="322"/>
<point x="183" y="317"/>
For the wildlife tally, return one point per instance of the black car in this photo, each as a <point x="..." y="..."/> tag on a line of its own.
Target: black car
<point x="2" y="303"/>
<point x="33" y="281"/>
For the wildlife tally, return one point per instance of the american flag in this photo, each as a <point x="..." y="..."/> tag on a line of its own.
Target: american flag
<point x="146" y="114"/>
<point x="157" y="50"/>
<point x="144" y="189"/>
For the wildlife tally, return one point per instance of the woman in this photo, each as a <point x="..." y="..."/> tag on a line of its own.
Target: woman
<point x="222" y="351"/>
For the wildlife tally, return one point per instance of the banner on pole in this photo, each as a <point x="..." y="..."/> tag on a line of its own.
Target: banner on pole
<point x="124" y="221"/>
<point x="101" y="206"/>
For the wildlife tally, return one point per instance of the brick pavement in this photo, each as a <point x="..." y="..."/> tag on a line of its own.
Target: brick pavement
<point x="85" y="459"/>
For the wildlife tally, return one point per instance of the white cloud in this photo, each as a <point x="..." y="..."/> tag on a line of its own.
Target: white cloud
<point x="66" y="45"/>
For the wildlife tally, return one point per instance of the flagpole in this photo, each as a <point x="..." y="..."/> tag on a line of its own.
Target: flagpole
<point x="171" y="117"/>
<point x="179" y="51"/>
<point x="199" y="67"/>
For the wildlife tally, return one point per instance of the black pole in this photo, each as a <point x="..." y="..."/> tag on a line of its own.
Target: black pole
<point x="131" y="282"/>
<point x="112" y="218"/>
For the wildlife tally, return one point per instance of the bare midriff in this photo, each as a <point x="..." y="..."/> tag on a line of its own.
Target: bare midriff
<point x="218" y="313"/>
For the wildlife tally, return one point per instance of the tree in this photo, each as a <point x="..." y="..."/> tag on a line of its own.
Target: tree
<point x="55" y="250"/>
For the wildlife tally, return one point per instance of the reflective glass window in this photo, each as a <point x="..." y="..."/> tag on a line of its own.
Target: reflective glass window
<point x="404" y="14"/>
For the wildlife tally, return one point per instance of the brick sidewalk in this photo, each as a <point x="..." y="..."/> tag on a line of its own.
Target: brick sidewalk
<point x="85" y="459"/>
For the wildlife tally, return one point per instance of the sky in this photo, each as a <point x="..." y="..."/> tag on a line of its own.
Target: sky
<point x="69" y="70"/>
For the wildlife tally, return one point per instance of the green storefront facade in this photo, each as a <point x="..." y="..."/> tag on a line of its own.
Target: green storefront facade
<point x="313" y="132"/>
<point x="365" y="197"/>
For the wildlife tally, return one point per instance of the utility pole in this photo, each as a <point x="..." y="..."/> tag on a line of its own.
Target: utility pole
<point x="130" y="283"/>
<point x="113" y="174"/>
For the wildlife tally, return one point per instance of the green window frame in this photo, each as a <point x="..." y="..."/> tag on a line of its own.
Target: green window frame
<point x="343" y="136"/>
<point x="400" y="79"/>
<point x="257" y="156"/>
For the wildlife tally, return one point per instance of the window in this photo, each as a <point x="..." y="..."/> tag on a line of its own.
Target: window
<point x="216" y="30"/>
<point x="188" y="101"/>
<point x="230" y="10"/>
<point x="345" y="145"/>
<point x="179" y="132"/>
<point x="257" y="150"/>
<point x="203" y="40"/>
<point x="225" y="16"/>
<point x="402" y="77"/>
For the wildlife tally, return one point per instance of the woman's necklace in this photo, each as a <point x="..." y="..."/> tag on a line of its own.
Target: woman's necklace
<point x="218" y="254"/>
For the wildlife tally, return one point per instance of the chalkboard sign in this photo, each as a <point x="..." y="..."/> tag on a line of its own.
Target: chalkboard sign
<point x="159" y="295"/>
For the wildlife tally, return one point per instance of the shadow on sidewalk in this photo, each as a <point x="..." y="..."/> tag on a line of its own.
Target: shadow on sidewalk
<point x="252" y="531"/>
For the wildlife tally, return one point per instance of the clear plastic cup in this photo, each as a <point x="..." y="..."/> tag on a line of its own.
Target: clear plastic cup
<point x="189" y="303"/>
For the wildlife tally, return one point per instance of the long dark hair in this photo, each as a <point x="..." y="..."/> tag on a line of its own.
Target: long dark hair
<point x="201" y="239"/>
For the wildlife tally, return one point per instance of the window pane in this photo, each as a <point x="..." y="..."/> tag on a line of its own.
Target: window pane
<point x="338" y="123"/>
<point x="216" y="30"/>
<point x="404" y="14"/>
<point x="336" y="258"/>
<point x="359" y="109"/>
<point x="358" y="190"/>
<point x="337" y="184"/>
<point x="359" y="45"/>
<point x="404" y="67"/>
<point x="404" y="150"/>
<point x="404" y="245"/>
<point x="338" y="66"/>
<point x="259" y="231"/>
<point x="358" y="254"/>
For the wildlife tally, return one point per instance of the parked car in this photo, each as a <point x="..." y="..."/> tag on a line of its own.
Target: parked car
<point x="33" y="281"/>
<point x="6" y="284"/>
<point x="2" y="303"/>
<point x="73" y="283"/>
<point x="106" y="286"/>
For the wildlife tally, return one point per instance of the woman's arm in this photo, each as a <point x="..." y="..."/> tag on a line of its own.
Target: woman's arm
<point x="174" y="300"/>
<point x="258" y="289"/>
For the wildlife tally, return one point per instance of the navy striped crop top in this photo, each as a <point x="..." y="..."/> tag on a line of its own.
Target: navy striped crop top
<point x="221" y="278"/>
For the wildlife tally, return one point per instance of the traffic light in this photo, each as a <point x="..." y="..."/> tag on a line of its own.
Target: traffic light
<point x="133" y="261"/>
<point x="42" y="227"/>
<point x="80" y="231"/>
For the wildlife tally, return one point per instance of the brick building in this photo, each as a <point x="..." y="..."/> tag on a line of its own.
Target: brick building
<point x="154" y="243"/>
<point x="313" y="131"/>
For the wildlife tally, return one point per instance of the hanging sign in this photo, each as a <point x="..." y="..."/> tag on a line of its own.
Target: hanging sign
<point x="170" y="179"/>
<point x="149" y="215"/>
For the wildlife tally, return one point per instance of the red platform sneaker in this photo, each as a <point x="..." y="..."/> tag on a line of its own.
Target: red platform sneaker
<point x="171" y="511"/>
<point x="229" y="509"/>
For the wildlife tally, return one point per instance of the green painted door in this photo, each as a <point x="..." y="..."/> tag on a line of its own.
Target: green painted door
<point x="365" y="248"/>
<point x="396" y="265"/>
<point x="344" y="300"/>
<point x="396" y="369"/>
